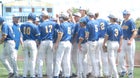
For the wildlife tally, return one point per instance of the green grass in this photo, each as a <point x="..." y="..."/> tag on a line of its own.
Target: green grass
<point x="4" y="72"/>
<point x="138" y="46"/>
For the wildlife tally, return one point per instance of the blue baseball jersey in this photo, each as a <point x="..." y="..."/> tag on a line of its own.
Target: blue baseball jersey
<point x="82" y="34"/>
<point x="66" y="29"/>
<point x="102" y="27"/>
<point x="128" y="28"/>
<point x="47" y="30"/>
<point x="7" y="30"/>
<point x="16" y="29"/>
<point x="92" y="27"/>
<point x="114" y="32"/>
<point x="30" y="31"/>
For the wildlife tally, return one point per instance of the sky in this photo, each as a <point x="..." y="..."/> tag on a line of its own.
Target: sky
<point x="104" y="7"/>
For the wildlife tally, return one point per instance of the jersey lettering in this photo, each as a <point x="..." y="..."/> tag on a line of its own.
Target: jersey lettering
<point x="69" y="30"/>
<point x="96" y="28"/>
<point x="27" y="30"/>
<point x="116" y="32"/>
<point x="48" y="28"/>
<point x="102" y="25"/>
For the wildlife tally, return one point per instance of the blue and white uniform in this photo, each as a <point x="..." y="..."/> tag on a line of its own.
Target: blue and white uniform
<point x="82" y="34"/>
<point x="47" y="34"/>
<point x="9" y="49"/>
<point x="63" y="53"/>
<point x="114" y="33"/>
<point x="30" y="33"/>
<point x="102" y="56"/>
<point x="92" y="27"/>
<point x="128" y="28"/>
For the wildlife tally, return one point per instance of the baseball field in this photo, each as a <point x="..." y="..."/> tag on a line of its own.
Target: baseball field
<point x="4" y="72"/>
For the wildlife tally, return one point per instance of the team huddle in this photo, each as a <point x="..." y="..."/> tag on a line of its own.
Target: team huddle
<point x="74" y="45"/>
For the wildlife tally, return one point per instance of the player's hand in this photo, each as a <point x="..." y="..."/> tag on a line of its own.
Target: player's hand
<point x="55" y="46"/>
<point x="129" y="42"/>
<point x="79" y="47"/>
<point x="119" y="50"/>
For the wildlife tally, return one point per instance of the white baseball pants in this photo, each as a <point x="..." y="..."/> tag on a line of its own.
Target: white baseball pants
<point x="9" y="57"/>
<point x="63" y="55"/>
<point x="45" y="51"/>
<point x="112" y="47"/>
<point x="30" y="53"/>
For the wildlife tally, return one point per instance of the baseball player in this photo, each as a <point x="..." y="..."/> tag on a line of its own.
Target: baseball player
<point x="47" y="31"/>
<point x="9" y="54"/>
<point x="113" y="38"/>
<point x="83" y="12"/>
<point x="102" y="56"/>
<point x="63" y="46"/>
<point x="129" y="33"/>
<point x="30" y="33"/>
<point x="17" y="32"/>
<point x="74" y="52"/>
<point x="92" y="27"/>
<point x="82" y="48"/>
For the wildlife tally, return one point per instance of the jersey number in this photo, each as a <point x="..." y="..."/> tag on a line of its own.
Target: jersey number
<point x="102" y="26"/>
<point x="27" y="30"/>
<point x="48" y="28"/>
<point x="96" y="28"/>
<point x="116" y="32"/>
<point x="69" y="30"/>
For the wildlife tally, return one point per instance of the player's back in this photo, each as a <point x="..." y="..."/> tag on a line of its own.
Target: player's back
<point x="114" y="31"/>
<point x="92" y="27"/>
<point x="102" y="27"/>
<point x="47" y="30"/>
<point x="29" y="31"/>
<point x="66" y="28"/>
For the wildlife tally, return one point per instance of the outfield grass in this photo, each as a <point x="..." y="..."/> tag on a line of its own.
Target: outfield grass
<point x="4" y="73"/>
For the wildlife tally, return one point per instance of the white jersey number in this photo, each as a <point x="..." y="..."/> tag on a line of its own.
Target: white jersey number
<point x="48" y="28"/>
<point x="116" y="32"/>
<point x="102" y="25"/>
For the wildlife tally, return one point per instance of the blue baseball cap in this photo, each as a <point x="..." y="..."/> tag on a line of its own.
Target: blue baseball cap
<point x="32" y="16"/>
<point x="83" y="20"/>
<point x="111" y="16"/>
<point x="1" y="20"/>
<point x="125" y="12"/>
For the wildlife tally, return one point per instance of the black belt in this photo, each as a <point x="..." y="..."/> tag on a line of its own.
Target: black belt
<point x="92" y="40"/>
<point x="125" y="38"/>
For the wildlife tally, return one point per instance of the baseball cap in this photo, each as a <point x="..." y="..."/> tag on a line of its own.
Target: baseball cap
<point x="111" y="16"/>
<point x="1" y="20"/>
<point x="15" y="16"/>
<point x="82" y="8"/>
<point x="32" y="16"/>
<point x="77" y="14"/>
<point x="82" y="20"/>
<point x="44" y="13"/>
<point x="64" y="15"/>
<point x="90" y="14"/>
<point x="125" y="12"/>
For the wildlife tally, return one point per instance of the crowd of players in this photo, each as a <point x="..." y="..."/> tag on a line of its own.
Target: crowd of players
<point x="76" y="45"/>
